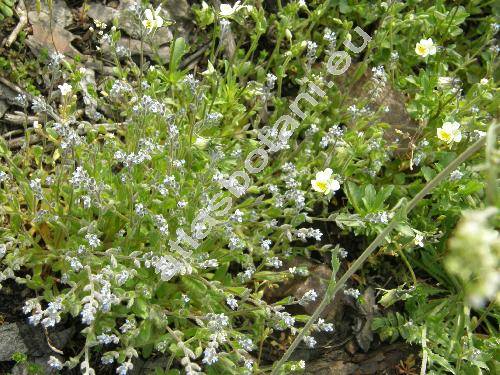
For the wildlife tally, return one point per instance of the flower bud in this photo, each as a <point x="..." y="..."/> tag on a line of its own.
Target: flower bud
<point x="201" y="143"/>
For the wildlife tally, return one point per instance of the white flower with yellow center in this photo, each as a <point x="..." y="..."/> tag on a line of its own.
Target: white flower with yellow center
<point x="450" y="132"/>
<point x="425" y="48"/>
<point x="153" y="20"/>
<point x="226" y="10"/>
<point x="324" y="182"/>
<point x="419" y="240"/>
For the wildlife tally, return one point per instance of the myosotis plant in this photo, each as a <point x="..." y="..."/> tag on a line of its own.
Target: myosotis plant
<point x="123" y="211"/>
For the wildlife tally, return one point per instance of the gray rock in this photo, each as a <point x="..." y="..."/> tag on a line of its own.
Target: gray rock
<point x="177" y="9"/>
<point x="134" y="46"/>
<point x="60" y="339"/>
<point x="152" y="364"/>
<point x="36" y="341"/>
<point x="138" y="363"/>
<point x="368" y="308"/>
<point x="126" y="21"/>
<point x="148" y="366"/>
<point x="49" y="28"/>
<point x="3" y="107"/>
<point x="11" y="341"/>
<point x="7" y="93"/>
<point x="60" y="11"/>
<point x="26" y="339"/>
<point x="40" y="362"/>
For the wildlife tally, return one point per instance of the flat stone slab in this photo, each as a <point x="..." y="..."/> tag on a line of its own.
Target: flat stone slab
<point x="11" y="341"/>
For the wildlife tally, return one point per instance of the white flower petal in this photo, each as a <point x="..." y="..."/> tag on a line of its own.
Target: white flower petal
<point x="149" y="14"/>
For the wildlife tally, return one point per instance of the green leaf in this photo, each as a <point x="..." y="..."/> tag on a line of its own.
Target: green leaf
<point x="354" y="196"/>
<point x="147" y="350"/>
<point x="238" y="290"/>
<point x="144" y="333"/>
<point x="302" y="318"/>
<point x="140" y="307"/>
<point x="335" y="260"/>
<point x="428" y="173"/>
<point x="471" y="187"/>
<point x="221" y="273"/>
<point x="382" y="196"/>
<point x="298" y="219"/>
<point x="347" y="220"/>
<point x="178" y="50"/>
<point x="433" y="357"/>
<point x="284" y="301"/>
<point x="369" y="197"/>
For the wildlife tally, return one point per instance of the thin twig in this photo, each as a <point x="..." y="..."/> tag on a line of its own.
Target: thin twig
<point x="193" y="57"/>
<point x="49" y="343"/>
<point x="423" y="368"/>
<point x="17" y="143"/>
<point x="18" y="118"/>
<point x="491" y="186"/>
<point x="11" y="85"/>
<point x="330" y="294"/>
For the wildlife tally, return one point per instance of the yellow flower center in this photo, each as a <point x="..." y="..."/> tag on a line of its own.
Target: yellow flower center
<point x="422" y="50"/>
<point x="321" y="185"/>
<point x="445" y="136"/>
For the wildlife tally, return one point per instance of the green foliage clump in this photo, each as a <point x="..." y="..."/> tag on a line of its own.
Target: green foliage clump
<point x="6" y="9"/>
